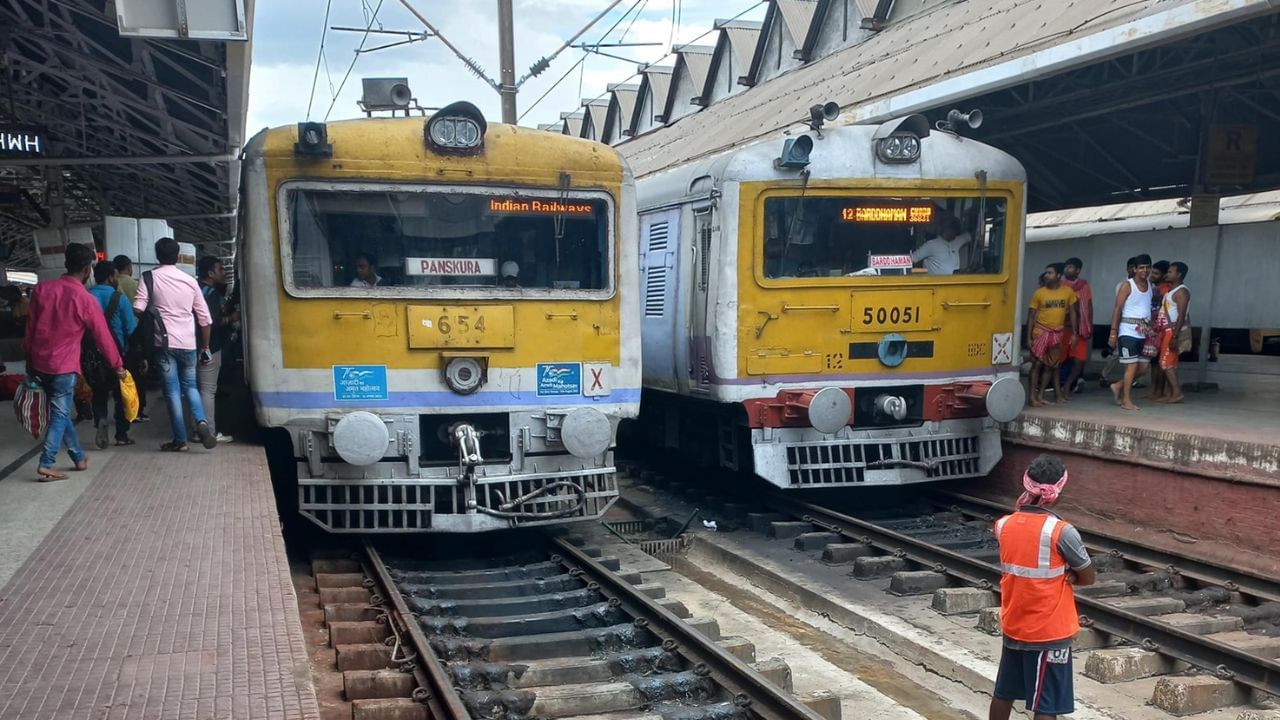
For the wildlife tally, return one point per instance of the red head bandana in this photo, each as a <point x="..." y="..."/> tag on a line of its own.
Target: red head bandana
<point x="1041" y="493"/>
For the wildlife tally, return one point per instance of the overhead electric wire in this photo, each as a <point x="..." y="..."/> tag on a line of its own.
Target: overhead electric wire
<point x="372" y="19"/>
<point x="324" y="32"/>
<point x="751" y="7"/>
<point x="580" y="61"/>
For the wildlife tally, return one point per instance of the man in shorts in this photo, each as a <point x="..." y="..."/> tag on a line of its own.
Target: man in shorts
<point x="1130" y="326"/>
<point x="1041" y="557"/>
<point x="1052" y="311"/>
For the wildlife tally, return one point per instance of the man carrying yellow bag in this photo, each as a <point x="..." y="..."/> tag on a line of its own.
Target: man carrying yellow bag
<point x="129" y="395"/>
<point x="121" y="321"/>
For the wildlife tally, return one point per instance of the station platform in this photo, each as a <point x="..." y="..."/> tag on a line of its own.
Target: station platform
<point x="152" y="585"/>
<point x="1201" y="476"/>
<point x="1232" y="432"/>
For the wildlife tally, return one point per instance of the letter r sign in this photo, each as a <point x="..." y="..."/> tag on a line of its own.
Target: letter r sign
<point x="597" y="379"/>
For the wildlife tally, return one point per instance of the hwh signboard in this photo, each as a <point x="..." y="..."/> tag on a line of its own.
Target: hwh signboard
<point x="22" y="141"/>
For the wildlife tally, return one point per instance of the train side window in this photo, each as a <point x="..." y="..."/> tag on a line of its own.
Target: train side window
<point x="847" y="236"/>
<point x="441" y="238"/>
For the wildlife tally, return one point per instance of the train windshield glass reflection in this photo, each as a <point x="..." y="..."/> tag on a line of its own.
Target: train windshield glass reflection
<point x="843" y="236"/>
<point x="446" y="239"/>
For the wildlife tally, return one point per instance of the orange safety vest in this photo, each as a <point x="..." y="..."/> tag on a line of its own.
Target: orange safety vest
<point x="1036" y="603"/>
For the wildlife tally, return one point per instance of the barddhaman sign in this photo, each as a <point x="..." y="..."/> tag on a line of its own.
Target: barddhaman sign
<point x="21" y="141"/>
<point x="451" y="267"/>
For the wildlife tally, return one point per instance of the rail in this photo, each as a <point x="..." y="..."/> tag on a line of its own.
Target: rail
<point x="1201" y="570"/>
<point x="435" y="688"/>
<point x="1222" y="660"/>
<point x="751" y="691"/>
<point x="745" y="688"/>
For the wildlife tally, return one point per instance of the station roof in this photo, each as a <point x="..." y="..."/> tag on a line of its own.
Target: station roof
<point x="1103" y="101"/>
<point x="135" y="126"/>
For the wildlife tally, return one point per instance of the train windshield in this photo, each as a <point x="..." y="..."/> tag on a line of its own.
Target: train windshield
<point x="456" y="238"/>
<point x="828" y="236"/>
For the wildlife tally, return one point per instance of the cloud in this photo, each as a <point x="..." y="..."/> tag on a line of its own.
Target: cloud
<point x="287" y="35"/>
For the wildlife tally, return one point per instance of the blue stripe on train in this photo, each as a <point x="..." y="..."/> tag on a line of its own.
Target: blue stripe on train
<point x="324" y="400"/>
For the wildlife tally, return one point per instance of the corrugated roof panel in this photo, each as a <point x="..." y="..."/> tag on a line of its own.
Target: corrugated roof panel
<point x="917" y="51"/>
<point x="698" y="59"/>
<point x="571" y="123"/>
<point x="593" y="128"/>
<point x="742" y="40"/>
<point x="659" y="84"/>
<point x="796" y="16"/>
<point x="624" y="101"/>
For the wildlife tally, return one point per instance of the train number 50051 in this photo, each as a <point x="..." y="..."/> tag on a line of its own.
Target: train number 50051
<point x="890" y="315"/>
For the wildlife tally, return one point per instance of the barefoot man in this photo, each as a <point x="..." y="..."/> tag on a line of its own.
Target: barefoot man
<point x="1052" y="307"/>
<point x="1173" y="306"/>
<point x="1130" y="323"/>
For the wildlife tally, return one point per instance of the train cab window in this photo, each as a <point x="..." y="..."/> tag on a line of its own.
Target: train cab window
<point x="828" y="236"/>
<point x="367" y="239"/>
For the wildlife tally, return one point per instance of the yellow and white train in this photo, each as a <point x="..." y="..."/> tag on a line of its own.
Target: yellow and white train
<point x="786" y="329"/>
<point x="442" y="316"/>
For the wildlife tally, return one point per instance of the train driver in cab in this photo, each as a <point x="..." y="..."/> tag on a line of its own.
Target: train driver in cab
<point x="510" y="274"/>
<point x="366" y="272"/>
<point x="941" y="254"/>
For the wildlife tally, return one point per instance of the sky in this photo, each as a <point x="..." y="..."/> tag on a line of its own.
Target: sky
<point x="287" y="38"/>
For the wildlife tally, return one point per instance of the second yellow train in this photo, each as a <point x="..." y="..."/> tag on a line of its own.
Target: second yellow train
<point x="835" y="308"/>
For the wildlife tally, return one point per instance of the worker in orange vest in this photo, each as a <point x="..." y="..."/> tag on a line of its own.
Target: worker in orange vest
<point x="1041" y="557"/>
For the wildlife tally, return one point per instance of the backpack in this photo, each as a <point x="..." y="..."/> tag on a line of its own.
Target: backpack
<point x="93" y="364"/>
<point x="150" y="336"/>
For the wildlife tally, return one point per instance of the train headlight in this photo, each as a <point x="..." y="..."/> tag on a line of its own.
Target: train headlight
<point x="586" y="433"/>
<point x="361" y="438"/>
<point x="464" y="375"/>
<point x="900" y="147"/>
<point x="459" y="126"/>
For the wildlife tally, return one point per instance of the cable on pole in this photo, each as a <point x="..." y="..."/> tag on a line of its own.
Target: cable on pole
<point x="324" y="32"/>
<point x="334" y="100"/>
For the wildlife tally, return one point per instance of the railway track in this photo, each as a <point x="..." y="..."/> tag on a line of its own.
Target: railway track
<point x="1188" y="610"/>
<point x="550" y="631"/>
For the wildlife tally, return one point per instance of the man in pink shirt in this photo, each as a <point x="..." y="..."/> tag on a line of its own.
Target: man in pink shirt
<point x="60" y="313"/>
<point x="173" y="300"/>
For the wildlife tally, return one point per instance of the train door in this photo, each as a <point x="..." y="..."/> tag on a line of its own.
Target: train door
<point x="659" y="233"/>
<point x="700" y="325"/>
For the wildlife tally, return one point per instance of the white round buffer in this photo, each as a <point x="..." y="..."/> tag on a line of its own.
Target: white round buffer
<point x="361" y="438"/>
<point x="829" y="410"/>
<point x="1005" y="399"/>
<point x="586" y="433"/>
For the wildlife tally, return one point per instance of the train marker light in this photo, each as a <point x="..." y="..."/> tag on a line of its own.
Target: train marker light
<point x="460" y="126"/>
<point x="795" y="153"/>
<point x="313" y="140"/>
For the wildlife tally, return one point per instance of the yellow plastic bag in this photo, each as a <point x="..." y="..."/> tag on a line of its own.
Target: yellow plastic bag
<point x="129" y="394"/>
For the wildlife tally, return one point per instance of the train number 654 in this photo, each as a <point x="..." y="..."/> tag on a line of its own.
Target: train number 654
<point x="890" y="315"/>
<point x="463" y="323"/>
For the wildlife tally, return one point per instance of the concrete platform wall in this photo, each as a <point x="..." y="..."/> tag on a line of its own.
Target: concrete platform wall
<point x="1213" y="518"/>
